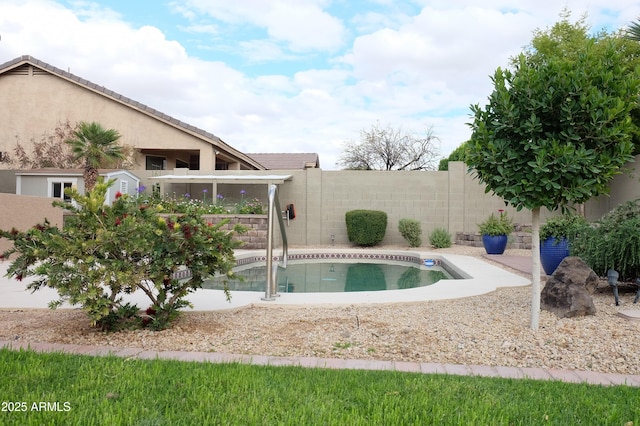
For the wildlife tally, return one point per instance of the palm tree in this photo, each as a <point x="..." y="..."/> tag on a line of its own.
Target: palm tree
<point x="633" y="31"/>
<point x="98" y="147"/>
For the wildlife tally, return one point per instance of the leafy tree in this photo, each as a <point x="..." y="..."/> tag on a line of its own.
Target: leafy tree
<point x="104" y="252"/>
<point x="570" y="38"/>
<point x="386" y="148"/>
<point x="97" y="147"/>
<point x="557" y="126"/>
<point x="458" y="154"/>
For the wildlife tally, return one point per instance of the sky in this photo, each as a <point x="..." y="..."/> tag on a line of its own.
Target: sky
<point x="295" y="75"/>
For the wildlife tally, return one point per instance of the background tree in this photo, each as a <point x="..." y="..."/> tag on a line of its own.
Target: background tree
<point x="52" y="151"/>
<point x="557" y="126"/>
<point x="49" y="151"/>
<point x="386" y="148"/>
<point x="97" y="147"/>
<point x="458" y="154"/>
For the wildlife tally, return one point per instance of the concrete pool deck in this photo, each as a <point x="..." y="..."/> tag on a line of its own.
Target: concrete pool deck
<point x="483" y="277"/>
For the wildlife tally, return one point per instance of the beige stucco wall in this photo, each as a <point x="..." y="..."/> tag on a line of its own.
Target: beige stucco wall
<point x="33" y="105"/>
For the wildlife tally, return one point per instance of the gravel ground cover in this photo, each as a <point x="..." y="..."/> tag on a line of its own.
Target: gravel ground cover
<point x="491" y="329"/>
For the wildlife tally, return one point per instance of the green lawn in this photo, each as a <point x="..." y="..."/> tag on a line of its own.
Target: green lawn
<point x="116" y="391"/>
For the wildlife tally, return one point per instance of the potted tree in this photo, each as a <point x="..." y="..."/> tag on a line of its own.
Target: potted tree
<point x="555" y="237"/>
<point x="495" y="232"/>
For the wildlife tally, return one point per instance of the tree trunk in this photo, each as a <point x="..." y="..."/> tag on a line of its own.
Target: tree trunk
<point x="535" y="272"/>
<point x="90" y="179"/>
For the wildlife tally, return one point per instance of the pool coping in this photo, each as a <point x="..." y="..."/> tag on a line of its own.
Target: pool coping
<point x="483" y="278"/>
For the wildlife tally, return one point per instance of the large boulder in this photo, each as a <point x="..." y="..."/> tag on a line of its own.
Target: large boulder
<point x="568" y="292"/>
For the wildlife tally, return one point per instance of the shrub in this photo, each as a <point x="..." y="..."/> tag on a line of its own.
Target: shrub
<point x="411" y="230"/>
<point x="566" y="226"/>
<point x="495" y="226"/>
<point x="103" y="252"/>
<point x="366" y="227"/>
<point x="613" y="242"/>
<point x="440" y="238"/>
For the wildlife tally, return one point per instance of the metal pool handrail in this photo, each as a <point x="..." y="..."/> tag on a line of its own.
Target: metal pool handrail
<point x="271" y="289"/>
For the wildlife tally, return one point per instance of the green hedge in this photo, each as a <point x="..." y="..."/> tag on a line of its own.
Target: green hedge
<point x="366" y="227"/>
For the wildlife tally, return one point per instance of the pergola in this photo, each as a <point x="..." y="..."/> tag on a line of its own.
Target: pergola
<point x="214" y="180"/>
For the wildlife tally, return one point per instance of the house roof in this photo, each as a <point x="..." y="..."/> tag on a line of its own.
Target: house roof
<point x="287" y="161"/>
<point x="101" y="90"/>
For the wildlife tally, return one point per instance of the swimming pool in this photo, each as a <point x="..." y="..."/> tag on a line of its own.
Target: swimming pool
<point x="340" y="271"/>
<point x="476" y="277"/>
<point x="337" y="275"/>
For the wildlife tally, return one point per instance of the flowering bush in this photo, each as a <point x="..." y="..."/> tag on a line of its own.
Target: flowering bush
<point x="188" y="205"/>
<point x="253" y="206"/>
<point x="104" y="252"/>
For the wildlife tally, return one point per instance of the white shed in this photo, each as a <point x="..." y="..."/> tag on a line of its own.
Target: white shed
<point x="52" y="182"/>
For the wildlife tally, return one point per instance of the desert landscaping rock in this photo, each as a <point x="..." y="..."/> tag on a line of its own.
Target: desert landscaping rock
<point x="492" y="329"/>
<point x="568" y="292"/>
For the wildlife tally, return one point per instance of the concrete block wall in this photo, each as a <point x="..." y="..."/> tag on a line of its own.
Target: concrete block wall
<point x="453" y="200"/>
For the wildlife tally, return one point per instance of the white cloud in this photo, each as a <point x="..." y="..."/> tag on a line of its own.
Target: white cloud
<point x="413" y="70"/>
<point x="301" y="24"/>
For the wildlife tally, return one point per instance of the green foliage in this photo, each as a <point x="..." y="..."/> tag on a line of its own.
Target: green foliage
<point x="104" y="252"/>
<point x="458" y="154"/>
<point x="633" y="31"/>
<point x="613" y="242"/>
<point x="96" y="147"/>
<point x="411" y="230"/>
<point x="366" y="227"/>
<point x="566" y="226"/>
<point x="252" y="206"/>
<point x="440" y="238"/>
<point x="185" y="204"/>
<point x="557" y="127"/>
<point x="496" y="225"/>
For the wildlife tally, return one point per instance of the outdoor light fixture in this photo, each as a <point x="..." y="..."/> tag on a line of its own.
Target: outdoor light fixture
<point x="612" y="277"/>
<point x="333" y="239"/>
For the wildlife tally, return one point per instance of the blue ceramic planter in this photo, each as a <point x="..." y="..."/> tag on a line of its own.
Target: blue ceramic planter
<point x="495" y="244"/>
<point x="552" y="252"/>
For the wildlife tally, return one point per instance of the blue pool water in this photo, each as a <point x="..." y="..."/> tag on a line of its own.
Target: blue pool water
<point x="319" y="277"/>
